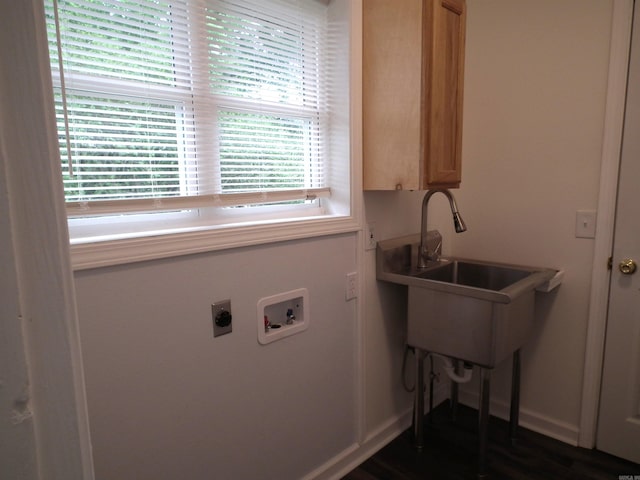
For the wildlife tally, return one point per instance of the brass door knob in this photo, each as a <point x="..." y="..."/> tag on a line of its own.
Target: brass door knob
<point x="627" y="266"/>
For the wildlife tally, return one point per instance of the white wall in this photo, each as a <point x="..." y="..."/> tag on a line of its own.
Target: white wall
<point x="535" y="90"/>
<point x="167" y="400"/>
<point x="164" y="396"/>
<point x="535" y="87"/>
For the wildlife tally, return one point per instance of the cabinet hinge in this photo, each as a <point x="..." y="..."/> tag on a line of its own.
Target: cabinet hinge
<point x="609" y="263"/>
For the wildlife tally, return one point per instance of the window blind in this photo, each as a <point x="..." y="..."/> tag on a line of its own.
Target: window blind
<point x="183" y="104"/>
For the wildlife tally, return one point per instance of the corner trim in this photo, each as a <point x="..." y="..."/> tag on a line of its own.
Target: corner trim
<point x="354" y="455"/>
<point x="350" y="458"/>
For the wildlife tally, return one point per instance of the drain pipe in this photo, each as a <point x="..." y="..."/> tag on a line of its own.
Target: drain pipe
<point x="451" y="371"/>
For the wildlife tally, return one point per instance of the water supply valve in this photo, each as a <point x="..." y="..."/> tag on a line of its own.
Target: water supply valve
<point x="290" y="316"/>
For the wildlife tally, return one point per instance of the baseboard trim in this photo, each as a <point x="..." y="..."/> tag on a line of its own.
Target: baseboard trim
<point x="354" y="455"/>
<point x="528" y="419"/>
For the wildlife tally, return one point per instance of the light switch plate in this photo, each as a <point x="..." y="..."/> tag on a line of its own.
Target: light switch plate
<point x="586" y="224"/>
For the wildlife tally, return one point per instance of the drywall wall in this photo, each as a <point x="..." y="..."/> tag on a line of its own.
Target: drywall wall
<point x="535" y="89"/>
<point x="163" y="394"/>
<point x="167" y="400"/>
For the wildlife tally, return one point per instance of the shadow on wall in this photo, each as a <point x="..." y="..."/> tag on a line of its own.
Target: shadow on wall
<point x="393" y="305"/>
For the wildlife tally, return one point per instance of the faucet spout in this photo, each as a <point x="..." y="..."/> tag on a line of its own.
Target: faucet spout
<point x="424" y="255"/>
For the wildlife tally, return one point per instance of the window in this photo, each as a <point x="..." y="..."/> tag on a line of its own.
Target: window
<point x="196" y="112"/>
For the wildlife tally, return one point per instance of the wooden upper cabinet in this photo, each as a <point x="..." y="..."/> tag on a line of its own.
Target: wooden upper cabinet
<point x="413" y="65"/>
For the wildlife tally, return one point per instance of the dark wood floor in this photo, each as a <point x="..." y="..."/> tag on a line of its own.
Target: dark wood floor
<point x="450" y="454"/>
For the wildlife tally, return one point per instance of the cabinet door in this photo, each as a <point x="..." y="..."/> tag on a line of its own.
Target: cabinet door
<point x="392" y="86"/>
<point x="443" y="73"/>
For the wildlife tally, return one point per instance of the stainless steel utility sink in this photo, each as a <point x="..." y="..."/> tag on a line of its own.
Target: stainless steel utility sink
<point x="476" y="311"/>
<point x="471" y="310"/>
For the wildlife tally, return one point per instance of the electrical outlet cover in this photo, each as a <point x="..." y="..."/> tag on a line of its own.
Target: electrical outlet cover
<point x="370" y="240"/>
<point x="222" y="318"/>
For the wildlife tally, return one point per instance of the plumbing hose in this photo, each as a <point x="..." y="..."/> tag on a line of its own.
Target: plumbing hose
<point x="451" y="371"/>
<point x="447" y="367"/>
<point x="404" y="368"/>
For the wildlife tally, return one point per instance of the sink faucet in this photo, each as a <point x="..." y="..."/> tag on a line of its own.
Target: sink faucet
<point x="424" y="255"/>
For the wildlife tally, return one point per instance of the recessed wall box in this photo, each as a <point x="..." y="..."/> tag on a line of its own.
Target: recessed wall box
<point x="283" y="315"/>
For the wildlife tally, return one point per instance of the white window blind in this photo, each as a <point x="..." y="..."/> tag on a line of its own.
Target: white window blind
<point x="188" y="103"/>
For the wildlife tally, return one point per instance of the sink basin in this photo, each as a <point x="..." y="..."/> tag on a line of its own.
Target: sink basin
<point x="474" y="274"/>
<point x="473" y="310"/>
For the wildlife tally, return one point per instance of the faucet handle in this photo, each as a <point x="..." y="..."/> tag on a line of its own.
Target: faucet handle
<point x="434" y="245"/>
<point x="431" y="249"/>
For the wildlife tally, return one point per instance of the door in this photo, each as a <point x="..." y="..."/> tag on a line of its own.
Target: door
<point x="619" y="415"/>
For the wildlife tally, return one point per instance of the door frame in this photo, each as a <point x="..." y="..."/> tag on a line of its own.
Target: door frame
<point x="44" y="380"/>
<point x="621" y="26"/>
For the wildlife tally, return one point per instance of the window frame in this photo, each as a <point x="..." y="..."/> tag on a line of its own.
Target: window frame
<point x="324" y="217"/>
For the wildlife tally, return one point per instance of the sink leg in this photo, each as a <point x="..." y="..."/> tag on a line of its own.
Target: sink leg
<point x="418" y="401"/>
<point x="515" y="398"/>
<point x="454" y="392"/>
<point x="483" y="423"/>
<point x="432" y="377"/>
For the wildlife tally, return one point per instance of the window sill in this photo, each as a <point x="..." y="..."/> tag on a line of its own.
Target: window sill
<point x="117" y="251"/>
